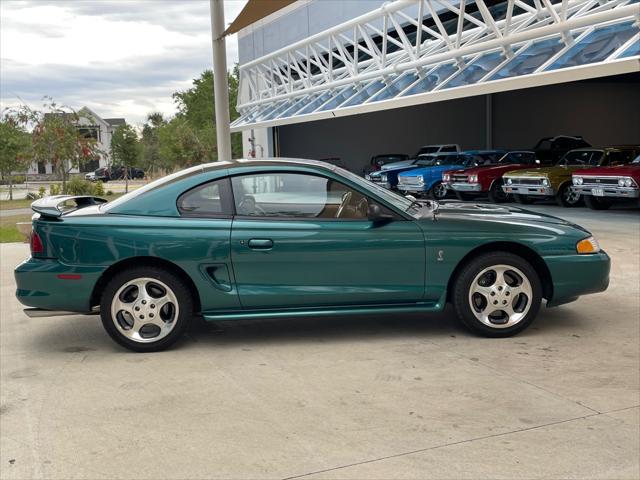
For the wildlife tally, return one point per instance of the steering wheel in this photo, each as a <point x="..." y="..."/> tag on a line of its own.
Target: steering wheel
<point x="345" y="201"/>
<point x="362" y="206"/>
<point x="248" y="206"/>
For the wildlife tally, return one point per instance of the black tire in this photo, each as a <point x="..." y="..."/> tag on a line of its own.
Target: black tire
<point x="522" y="199"/>
<point x="595" y="203"/>
<point x="463" y="284"/>
<point x="438" y="191"/>
<point x="463" y="196"/>
<point x="497" y="194"/>
<point x="566" y="197"/>
<point x="179" y="323"/>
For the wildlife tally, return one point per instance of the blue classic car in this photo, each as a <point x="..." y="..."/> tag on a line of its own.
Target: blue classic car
<point x="388" y="177"/>
<point x="428" y="179"/>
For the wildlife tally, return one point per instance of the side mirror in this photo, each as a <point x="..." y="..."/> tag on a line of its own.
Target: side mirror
<point x="377" y="216"/>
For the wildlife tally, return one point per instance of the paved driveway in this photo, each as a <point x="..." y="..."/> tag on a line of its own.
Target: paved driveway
<point x="366" y="397"/>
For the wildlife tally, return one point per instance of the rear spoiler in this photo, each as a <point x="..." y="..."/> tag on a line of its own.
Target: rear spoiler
<point x="55" y="206"/>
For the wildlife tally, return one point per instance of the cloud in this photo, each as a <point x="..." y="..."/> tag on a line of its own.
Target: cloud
<point x="120" y="58"/>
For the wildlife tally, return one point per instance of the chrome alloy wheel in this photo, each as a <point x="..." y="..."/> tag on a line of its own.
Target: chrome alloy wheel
<point x="500" y="296"/>
<point x="439" y="191"/>
<point x="571" y="196"/>
<point x="144" y="310"/>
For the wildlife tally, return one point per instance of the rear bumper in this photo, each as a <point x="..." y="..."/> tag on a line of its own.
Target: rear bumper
<point x="608" y="191"/>
<point x="529" y="190"/>
<point x="465" y="187"/>
<point x="51" y="285"/>
<point x="576" y="275"/>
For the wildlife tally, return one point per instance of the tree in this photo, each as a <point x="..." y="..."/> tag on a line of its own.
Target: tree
<point x="196" y="106"/>
<point x="180" y="145"/>
<point x="55" y="137"/>
<point x="150" y="142"/>
<point x="14" y="149"/>
<point x="125" y="149"/>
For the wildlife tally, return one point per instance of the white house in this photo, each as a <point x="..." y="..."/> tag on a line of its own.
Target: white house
<point x="90" y="125"/>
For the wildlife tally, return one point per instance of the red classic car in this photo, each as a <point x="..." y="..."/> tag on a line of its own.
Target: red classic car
<point x="601" y="186"/>
<point x="487" y="180"/>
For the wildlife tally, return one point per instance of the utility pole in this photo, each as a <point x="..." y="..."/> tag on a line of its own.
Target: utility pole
<point x="220" y="81"/>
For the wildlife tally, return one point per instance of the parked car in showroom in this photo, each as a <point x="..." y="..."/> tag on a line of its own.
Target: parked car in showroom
<point x="470" y="183"/>
<point x="379" y="161"/>
<point x="555" y="181"/>
<point x="601" y="186"/>
<point x="255" y="239"/>
<point x="425" y="150"/>
<point x="427" y="180"/>
<point x="388" y="178"/>
<point x="552" y="149"/>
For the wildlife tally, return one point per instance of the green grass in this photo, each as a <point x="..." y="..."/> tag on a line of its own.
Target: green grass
<point x="8" y="230"/>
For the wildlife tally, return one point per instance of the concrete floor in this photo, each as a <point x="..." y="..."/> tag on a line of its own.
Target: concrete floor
<point x="376" y="398"/>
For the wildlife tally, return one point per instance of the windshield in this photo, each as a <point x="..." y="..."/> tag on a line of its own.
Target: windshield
<point x="394" y="199"/>
<point x="581" y="157"/>
<point x="426" y="160"/>
<point x="518" y="157"/>
<point x="452" y="160"/>
<point x="636" y="161"/>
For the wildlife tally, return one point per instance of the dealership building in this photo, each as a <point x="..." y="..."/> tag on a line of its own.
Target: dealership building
<point x="346" y="80"/>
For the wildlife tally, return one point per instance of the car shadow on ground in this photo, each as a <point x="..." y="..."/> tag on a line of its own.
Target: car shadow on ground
<point x="85" y="333"/>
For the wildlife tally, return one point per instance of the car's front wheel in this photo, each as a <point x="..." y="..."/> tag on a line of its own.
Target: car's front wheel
<point x="497" y="294"/>
<point x="567" y="196"/>
<point x="146" y="308"/>
<point x="438" y="191"/>
<point x="497" y="194"/>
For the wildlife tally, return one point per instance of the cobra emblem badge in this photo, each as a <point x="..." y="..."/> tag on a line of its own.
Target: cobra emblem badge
<point x="440" y="256"/>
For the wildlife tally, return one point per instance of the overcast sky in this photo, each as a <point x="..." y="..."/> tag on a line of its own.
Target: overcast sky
<point x="120" y="58"/>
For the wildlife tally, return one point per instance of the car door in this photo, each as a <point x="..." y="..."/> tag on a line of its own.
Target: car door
<point x="301" y="239"/>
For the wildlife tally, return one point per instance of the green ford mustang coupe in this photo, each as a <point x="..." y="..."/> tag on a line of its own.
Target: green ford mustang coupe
<point x="284" y="238"/>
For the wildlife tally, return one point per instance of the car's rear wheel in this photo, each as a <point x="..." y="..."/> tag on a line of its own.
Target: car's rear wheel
<point x="146" y="308"/>
<point x="567" y="196"/>
<point x="497" y="294"/>
<point x="595" y="203"/>
<point x="438" y="191"/>
<point x="522" y="199"/>
<point x="497" y="194"/>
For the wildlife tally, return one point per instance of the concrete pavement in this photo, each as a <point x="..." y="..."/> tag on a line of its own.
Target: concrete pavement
<point x="349" y="398"/>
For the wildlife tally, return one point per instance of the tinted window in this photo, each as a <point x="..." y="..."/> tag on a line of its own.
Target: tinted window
<point x="582" y="157"/>
<point x="208" y="199"/>
<point x="518" y="157"/>
<point x="425" y="150"/>
<point x="449" y="148"/>
<point x="296" y="195"/>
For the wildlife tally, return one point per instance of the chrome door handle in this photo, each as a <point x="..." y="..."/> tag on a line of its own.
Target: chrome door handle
<point x="261" y="243"/>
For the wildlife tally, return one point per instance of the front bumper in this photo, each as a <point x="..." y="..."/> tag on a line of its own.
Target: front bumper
<point x="465" y="187"/>
<point x="575" y="275"/>
<point x="412" y="188"/>
<point x="386" y="185"/>
<point x="51" y="285"/>
<point x="529" y="190"/>
<point x="607" y="191"/>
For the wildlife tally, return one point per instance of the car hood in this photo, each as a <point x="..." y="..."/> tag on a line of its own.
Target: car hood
<point x="503" y="214"/>
<point x="416" y="172"/>
<point x="617" y="171"/>
<point x="402" y="163"/>
<point x="400" y="168"/>
<point x="544" y="171"/>
<point x="489" y="169"/>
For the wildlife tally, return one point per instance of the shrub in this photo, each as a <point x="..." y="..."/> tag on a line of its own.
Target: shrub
<point x="54" y="189"/>
<point x="98" y="189"/>
<point x="42" y="192"/>
<point x="109" y="193"/>
<point x="32" y="196"/>
<point x="78" y="186"/>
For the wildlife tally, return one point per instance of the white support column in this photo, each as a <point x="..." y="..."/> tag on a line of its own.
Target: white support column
<point x="220" y="81"/>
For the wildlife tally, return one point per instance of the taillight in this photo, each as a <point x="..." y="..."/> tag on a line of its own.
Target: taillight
<point x="36" y="244"/>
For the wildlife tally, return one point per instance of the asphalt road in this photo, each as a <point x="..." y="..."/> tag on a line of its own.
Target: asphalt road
<point x="367" y="397"/>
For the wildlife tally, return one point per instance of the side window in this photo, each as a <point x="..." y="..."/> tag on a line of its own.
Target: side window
<point x="296" y="195"/>
<point x="449" y="148"/>
<point x="210" y="199"/>
<point x="615" y="157"/>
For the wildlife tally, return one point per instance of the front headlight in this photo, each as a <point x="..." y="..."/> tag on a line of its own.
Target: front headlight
<point x="577" y="180"/>
<point x="588" y="245"/>
<point x="545" y="182"/>
<point x="509" y="181"/>
<point x="473" y="179"/>
<point x="367" y="177"/>
<point x="628" y="182"/>
<point x="446" y="177"/>
<point x="383" y="177"/>
<point x="621" y="182"/>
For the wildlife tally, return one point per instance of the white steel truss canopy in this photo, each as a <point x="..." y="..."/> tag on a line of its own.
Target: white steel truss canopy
<point x="388" y="58"/>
